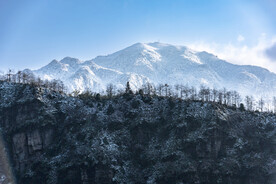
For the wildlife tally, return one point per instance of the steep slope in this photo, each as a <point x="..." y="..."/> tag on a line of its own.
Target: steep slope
<point x="54" y="138"/>
<point x="160" y="63"/>
<point x="5" y="169"/>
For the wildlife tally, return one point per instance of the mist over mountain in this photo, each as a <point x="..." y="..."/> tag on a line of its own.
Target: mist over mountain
<point x="159" y="63"/>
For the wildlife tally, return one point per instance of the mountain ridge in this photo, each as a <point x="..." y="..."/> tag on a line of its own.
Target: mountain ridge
<point x="159" y="63"/>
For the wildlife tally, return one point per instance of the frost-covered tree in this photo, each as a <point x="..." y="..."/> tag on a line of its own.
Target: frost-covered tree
<point x="19" y="76"/>
<point x="236" y="98"/>
<point x="224" y="95"/>
<point x="148" y="88"/>
<point x="9" y="75"/>
<point x="166" y="89"/>
<point x="185" y="90"/>
<point x="220" y="97"/>
<point x="110" y="90"/>
<point x="204" y="93"/>
<point x="176" y="90"/>
<point x="24" y="78"/>
<point x="274" y="103"/>
<point x="128" y="89"/>
<point x="249" y="101"/>
<point x="214" y="95"/>
<point x="193" y="92"/>
<point x="159" y="89"/>
<point x="261" y="104"/>
<point x="228" y="98"/>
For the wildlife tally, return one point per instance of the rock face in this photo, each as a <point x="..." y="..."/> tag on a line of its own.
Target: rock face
<point x="6" y="176"/>
<point x="53" y="138"/>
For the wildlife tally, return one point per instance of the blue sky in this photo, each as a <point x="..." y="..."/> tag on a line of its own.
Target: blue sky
<point x="32" y="33"/>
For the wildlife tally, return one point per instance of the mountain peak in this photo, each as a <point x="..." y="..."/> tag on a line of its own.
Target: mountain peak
<point x="161" y="63"/>
<point x="70" y="61"/>
<point x="54" y="61"/>
<point x="138" y="47"/>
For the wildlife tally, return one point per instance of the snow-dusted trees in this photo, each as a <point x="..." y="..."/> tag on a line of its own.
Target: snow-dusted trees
<point x="185" y="91"/>
<point x="261" y="104"/>
<point x="159" y="89"/>
<point x="274" y="104"/>
<point x="9" y="75"/>
<point x="214" y="95"/>
<point x="19" y="76"/>
<point x="166" y="89"/>
<point x="110" y="90"/>
<point x="204" y="93"/>
<point x="223" y="96"/>
<point x="249" y="102"/>
<point x="148" y="88"/>
<point x="128" y="89"/>
<point x="2" y="77"/>
<point x="24" y="78"/>
<point x="236" y="98"/>
<point x="177" y="89"/>
<point x="27" y="78"/>
<point x="193" y="93"/>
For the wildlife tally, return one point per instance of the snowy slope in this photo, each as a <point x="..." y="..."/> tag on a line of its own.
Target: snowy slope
<point x="159" y="63"/>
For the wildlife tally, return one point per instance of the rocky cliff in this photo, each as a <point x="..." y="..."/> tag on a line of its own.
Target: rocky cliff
<point x="53" y="138"/>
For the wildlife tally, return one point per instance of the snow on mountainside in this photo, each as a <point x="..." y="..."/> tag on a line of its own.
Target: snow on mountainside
<point x="159" y="63"/>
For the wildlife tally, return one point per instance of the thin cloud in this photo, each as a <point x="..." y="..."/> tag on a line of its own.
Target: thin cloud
<point x="243" y="54"/>
<point x="271" y="52"/>
<point x="240" y="38"/>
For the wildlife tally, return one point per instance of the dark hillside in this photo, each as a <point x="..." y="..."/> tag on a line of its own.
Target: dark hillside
<point x="53" y="138"/>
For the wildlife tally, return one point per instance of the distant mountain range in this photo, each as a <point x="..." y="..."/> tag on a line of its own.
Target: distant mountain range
<point x="159" y="63"/>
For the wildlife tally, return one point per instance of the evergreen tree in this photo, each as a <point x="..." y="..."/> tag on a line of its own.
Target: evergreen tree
<point x="128" y="89"/>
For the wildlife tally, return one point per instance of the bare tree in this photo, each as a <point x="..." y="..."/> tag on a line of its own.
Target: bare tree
<point x="148" y="88"/>
<point x="224" y="95"/>
<point x="204" y="93"/>
<point x="228" y="98"/>
<point x="159" y="89"/>
<point x="19" y="76"/>
<point x="249" y="101"/>
<point x="75" y="93"/>
<point x="39" y="82"/>
<point x="201" y="93"/>
<point x="53" y="85"/>
<point x="60" y="86"/>
<point x="13" y="78"/>
<point x="261" y="103"/>
<point x="166" y="89"/>
<point x="24" y="78"/>
<point x="9" y="74"/>
<point x="2" y="78"/>
<point x="220" y="97"/>
<point x="193" y="92"/>
<point x="185" y="91"/>
<point x="236" y="98"/>
<point x="177" y="89"/>
<point x="170" y="91"/>
<point x="214" y="95"/>
<point x="274" y="104"/>
<point x="110" y="90"/>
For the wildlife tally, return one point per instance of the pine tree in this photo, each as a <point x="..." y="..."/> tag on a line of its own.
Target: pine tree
<point x="128" y="89"/>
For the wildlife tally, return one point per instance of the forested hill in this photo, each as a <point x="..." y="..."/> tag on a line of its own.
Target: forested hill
<point x="57" y="139"/>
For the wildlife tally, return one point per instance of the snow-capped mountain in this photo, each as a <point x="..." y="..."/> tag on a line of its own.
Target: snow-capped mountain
<point x="159" y="63"/>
